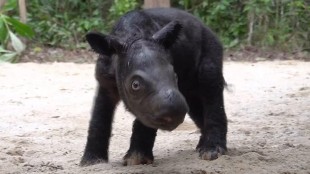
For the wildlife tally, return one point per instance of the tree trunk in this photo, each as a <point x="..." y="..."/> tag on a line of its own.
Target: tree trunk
<point x="156" y="3"/>
<point x="22" y="15"/>
<point x="22" y="10"/>
<point x="251" y="17"/>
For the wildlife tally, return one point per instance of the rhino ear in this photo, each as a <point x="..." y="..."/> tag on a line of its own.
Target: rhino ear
<point x="168" y="34"/>
<point x="103" y="44"/>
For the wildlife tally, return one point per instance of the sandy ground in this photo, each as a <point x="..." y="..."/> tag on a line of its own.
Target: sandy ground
<point x="45" y="109"/>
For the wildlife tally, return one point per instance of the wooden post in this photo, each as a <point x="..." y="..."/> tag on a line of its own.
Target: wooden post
<point x="156" y="3"/>
<point x="22" y="10"/>
<point x="22" y="15"/>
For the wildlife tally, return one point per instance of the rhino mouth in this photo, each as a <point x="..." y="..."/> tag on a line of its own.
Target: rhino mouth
<point x="168" y="127"/>
<point x="155" y="123"/>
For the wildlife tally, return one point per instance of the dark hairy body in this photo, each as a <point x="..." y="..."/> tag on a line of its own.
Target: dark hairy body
<point x="160" y="60"/>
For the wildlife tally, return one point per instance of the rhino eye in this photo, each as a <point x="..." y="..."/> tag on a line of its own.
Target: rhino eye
<point x="135" y="85"/>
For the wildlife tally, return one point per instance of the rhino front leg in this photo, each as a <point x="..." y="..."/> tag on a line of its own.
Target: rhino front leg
<point x="100" y="126"/>
<point x="141" y="145"/>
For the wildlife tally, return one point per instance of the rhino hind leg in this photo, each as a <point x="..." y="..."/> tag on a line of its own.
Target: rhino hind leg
<point x="208" y="112"/>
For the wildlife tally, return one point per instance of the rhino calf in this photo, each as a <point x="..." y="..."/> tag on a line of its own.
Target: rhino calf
<point x="162" y="63"/>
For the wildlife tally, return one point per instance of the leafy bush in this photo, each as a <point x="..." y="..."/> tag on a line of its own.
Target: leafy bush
<point x="281" y="24"/>
<point x="9" y="27"/>
<point x="120" y="7"/>
<point x="64" y="23"/>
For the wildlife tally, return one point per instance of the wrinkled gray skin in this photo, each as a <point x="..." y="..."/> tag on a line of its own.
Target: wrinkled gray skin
<point x="146" y="61"/>
<point x="162" y="63"/>
<point x="158" y="103"/>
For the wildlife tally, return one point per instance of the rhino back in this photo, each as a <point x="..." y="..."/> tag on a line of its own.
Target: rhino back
<point x="195" y="42"/>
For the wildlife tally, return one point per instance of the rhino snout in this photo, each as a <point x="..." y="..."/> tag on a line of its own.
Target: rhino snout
<point x="171" y="110"/>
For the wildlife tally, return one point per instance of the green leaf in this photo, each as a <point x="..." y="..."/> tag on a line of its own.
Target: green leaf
<point x="233" y="43"/>
<point x="8" y="57"/>
<point x="10" y="5"/>
<point x="16" y="43"/>
<point x="20" y="28"/>
<point x="3" y="31"/>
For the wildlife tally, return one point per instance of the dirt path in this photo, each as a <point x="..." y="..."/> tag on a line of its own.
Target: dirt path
<point x="45" y="112"/>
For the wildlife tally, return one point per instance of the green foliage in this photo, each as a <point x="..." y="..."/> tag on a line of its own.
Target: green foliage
<point x="9" y="29"/>
<point x="274" y="24"/>
<point x="219" y="16"/>
<point x="120" y="7"/>
<point x="64" y="23"/>
<point x="280" y="24"/>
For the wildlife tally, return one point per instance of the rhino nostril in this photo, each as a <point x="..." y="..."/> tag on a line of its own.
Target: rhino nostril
<point x="167" y="119"/>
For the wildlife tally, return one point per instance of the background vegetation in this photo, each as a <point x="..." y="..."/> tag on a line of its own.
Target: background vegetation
<point x="280" y="24"/>
<point x="64" y="23"/>
<point x="266" y="24"/>
<point x="9" y="28"/>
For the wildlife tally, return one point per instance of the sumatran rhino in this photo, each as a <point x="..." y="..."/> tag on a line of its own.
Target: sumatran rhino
<point x="162" y="63"/>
